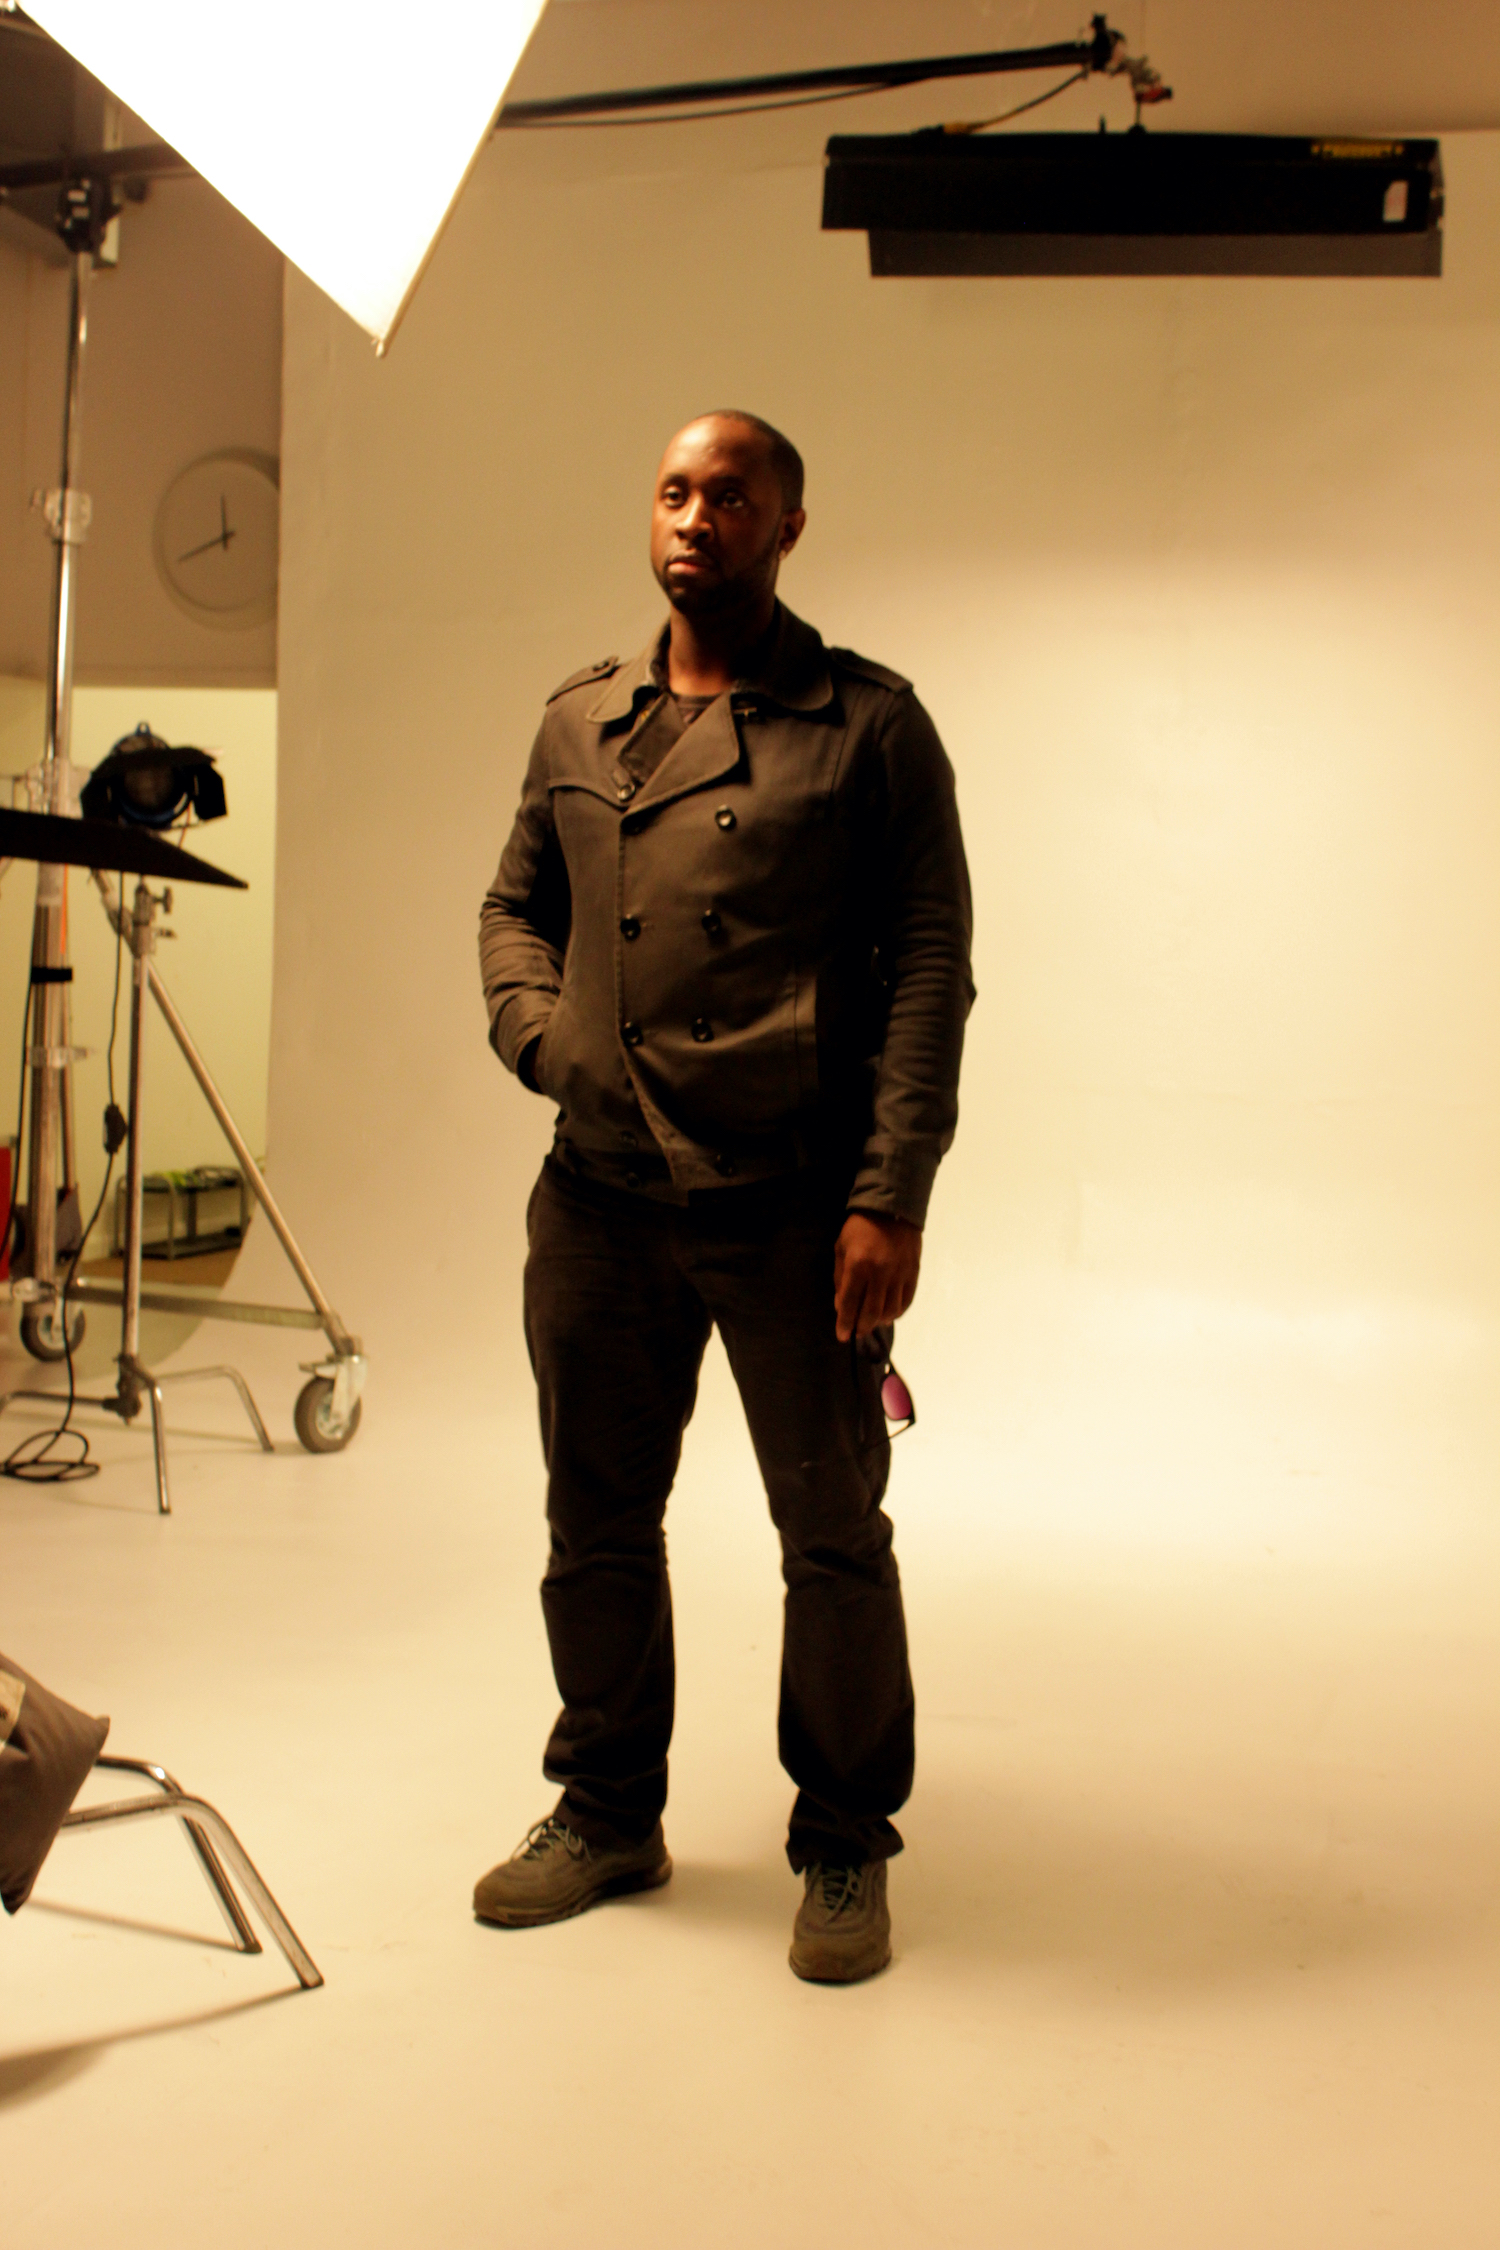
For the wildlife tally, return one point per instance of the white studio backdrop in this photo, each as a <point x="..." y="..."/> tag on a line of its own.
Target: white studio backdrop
<point x="1198" y="579"/>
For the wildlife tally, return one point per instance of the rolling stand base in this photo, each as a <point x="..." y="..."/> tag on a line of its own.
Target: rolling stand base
<point x="327" y="1412"/>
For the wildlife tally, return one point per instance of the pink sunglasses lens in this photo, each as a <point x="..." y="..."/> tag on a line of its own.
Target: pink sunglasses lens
<point x="896" y="1400"/>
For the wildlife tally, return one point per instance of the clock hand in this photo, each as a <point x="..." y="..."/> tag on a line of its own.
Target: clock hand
<point x="225" y="534"/>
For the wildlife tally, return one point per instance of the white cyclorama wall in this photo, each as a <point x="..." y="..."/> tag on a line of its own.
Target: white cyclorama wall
<point x="217" y="967"/>
<point x="1198" y="579"/>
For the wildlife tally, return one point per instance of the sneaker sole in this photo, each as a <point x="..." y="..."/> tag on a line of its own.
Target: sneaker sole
<point x="617" y="1886"/>
<point x="828" y="1969"/>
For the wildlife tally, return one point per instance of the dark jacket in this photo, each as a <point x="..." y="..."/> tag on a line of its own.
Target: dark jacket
<point x="756" y="956"/>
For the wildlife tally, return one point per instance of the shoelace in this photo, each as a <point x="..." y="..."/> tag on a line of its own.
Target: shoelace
<point x="838" y="1887"/>
<point x="545" y="1836"/>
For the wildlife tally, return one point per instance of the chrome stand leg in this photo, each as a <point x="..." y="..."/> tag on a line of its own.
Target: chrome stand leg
<point x="338" y="1336"/>
<point x="152" y="1390"/>
<point x="226" y="1375"/>
<point x="138" y="1382"/>
<point x="208" y="1859"/>
<point x="195" y="1812"/>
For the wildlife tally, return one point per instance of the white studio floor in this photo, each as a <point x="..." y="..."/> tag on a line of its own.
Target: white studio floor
<point x="1198" y="1928"/>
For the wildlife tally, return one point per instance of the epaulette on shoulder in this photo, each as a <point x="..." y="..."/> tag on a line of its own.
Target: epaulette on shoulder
<point x="868" y="669"/>
<point x="590" y="672"/>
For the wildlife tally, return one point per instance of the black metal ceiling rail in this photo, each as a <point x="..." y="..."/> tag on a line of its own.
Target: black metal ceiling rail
<point x="154" y="159"/>
<point x="1094" y="53"/>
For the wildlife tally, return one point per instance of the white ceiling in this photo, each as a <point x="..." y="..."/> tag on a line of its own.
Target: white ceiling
<point x="1295" y="66"/>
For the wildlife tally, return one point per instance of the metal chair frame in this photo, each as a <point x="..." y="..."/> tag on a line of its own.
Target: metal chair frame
<point x="210" y="1835"/>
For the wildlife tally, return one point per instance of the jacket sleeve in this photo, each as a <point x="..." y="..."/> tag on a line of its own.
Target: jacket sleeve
<point x="524" y="921"/>
<point x="926" y="925"/>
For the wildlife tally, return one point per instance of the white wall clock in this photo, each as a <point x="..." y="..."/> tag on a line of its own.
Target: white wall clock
<point x="216" y="538"/>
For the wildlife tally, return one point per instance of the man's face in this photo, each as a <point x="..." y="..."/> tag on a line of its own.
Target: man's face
<point x="719" y="525"/>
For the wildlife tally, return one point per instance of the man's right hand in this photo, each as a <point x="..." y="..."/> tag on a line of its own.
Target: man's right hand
<point x="875" y="1265"/>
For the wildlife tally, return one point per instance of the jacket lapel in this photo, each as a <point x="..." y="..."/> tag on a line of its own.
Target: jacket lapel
<point x="707" y="752"/>
<point x="793" y="674"/>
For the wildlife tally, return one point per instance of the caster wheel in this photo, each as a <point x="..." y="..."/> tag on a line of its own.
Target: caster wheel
<point x="313" y="1418"/>
<point x="42" y="1331"/>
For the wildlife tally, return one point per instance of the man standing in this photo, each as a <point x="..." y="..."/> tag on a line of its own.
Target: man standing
<point x="729" y="938"/>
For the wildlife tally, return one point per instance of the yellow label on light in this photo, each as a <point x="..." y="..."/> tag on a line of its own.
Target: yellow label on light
<point x="1375" y="149"/>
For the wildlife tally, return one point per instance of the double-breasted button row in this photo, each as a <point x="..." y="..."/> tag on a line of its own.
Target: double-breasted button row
<point x="634" y="822"/>
<point x="713" y="925"/>
<point x="632" y="1033"/>
<point x="630" y="924"/>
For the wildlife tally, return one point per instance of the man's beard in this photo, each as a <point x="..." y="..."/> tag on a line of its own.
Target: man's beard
<point x="721" y="597"/>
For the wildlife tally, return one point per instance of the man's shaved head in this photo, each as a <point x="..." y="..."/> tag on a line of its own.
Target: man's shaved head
<point x="723" y="518"/>
<point x="780" y="451"/>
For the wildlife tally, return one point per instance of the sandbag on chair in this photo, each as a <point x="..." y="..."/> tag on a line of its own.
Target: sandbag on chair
<point x="47" y="1750"/>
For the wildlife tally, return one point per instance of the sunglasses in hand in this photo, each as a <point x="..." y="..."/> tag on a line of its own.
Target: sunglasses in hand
<point x="896" y="1401"/>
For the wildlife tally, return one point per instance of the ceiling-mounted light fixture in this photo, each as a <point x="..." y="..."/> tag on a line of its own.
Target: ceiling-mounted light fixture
<point x="344" y="133"/>
<point x="1138" y="203"/>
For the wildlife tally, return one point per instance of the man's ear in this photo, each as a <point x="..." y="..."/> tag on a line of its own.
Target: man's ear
<point x="791" y="529"/>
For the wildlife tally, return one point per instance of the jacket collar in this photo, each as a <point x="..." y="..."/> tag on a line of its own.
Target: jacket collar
<point x="789" y="669"/>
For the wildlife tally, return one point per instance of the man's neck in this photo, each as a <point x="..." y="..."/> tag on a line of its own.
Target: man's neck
<point x="707" y="655"/>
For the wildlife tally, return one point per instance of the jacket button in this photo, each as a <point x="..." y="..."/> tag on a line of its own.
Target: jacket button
<point x="712" y="923"/>
<point x="632" y="1179"/>
<point x="632" y="1034"/>
<point x="724" y="817"/>
<point x="625" y="792"/>
<point x="629" y="926"/>
<point x="702" y="1029"/>
<point x="633" y="823"/>
<point x="631" y="1140"/>
<point x="725" y="1167"/>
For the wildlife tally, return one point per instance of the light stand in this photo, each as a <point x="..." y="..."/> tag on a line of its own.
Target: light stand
<point x="327" y="1411"/>
<point x="84" y="210"/>
<point x="136" y="1383"/>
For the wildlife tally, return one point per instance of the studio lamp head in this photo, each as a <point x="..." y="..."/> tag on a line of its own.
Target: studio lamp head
<point x="144" y="783"/>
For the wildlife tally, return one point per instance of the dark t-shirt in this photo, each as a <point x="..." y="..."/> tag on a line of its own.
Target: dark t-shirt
<point x="668" y="723"/>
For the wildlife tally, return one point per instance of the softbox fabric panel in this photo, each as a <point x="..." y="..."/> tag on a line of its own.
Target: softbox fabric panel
<point x="344" y="134"/>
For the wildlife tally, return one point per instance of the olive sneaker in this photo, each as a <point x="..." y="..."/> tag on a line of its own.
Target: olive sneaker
<point x="553" y="1873"/>
<point x="843" y="1928"/>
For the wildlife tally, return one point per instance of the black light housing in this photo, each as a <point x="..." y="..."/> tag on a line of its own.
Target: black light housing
<point x="145" y="783"/>
<point x="936" y="202"/>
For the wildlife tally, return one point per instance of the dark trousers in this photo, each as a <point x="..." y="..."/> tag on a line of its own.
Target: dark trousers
<point x="621" y="1294"/>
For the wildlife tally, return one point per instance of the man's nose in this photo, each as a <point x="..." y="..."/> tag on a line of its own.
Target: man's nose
<point x="694" y="522"/>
